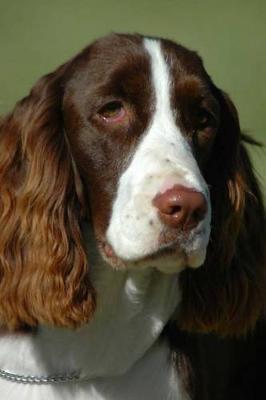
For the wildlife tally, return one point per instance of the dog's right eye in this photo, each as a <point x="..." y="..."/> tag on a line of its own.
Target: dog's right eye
<point x="112" y="112"/>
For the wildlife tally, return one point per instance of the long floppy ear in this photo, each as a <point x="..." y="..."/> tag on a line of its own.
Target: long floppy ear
<point x="43" y="265"/>
<point x="227" y="294"/>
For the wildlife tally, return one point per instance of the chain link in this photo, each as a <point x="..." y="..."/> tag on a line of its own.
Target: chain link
<point x="74" y="376"/>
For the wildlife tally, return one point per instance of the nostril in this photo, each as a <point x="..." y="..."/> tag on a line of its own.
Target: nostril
<point x="193" y="220"/>
<point x="198" y="214"/>
<point x="174" y="210"/>
<point x="181" y="207"/>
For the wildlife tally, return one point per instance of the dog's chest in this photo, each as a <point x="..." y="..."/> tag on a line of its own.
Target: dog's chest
<point x="152" y="377"/>
<point x="118" y="355"/>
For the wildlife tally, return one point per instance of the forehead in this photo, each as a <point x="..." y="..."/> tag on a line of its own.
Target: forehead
<point x="121" y="64"/>
<point x="115" y="64"/>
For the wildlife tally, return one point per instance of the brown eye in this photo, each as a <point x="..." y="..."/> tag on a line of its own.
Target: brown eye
<point x="205" y="129"/>
<point x="112" y="112"/>
<point x="205" y="120"/>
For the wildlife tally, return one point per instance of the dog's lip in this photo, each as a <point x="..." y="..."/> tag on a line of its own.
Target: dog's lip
<point x="108" y="250"/>
<point x="171" y="248"/>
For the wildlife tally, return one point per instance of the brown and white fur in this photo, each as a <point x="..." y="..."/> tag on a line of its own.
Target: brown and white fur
<point x="92" y="269"/>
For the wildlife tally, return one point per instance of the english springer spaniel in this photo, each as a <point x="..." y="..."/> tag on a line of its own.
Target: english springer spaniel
<point x="129" y="215"/>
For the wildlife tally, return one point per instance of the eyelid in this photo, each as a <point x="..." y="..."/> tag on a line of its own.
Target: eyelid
<point x="112" y="111"/>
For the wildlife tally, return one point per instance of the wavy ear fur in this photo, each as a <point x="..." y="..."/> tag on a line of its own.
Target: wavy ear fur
<point x="227" y="294"/>
<point x="43" y="265"/>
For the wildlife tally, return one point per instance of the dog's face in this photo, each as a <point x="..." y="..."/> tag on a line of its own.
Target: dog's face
<point x="141" y="118"/>
<point x="132" y="135"/>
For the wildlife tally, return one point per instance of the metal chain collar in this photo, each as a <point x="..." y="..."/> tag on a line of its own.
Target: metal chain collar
<point x="73" y="376"/>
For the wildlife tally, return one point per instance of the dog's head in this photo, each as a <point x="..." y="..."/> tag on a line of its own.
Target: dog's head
<point x="132" y="135"/>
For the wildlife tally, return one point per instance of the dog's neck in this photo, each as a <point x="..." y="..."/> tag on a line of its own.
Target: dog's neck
<point x="132" y="310"/>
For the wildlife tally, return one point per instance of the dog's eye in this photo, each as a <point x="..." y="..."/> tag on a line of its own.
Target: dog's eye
<point x="204" y="120"/>
<point x="112" y="111"/>
<point x="205" y="129"/>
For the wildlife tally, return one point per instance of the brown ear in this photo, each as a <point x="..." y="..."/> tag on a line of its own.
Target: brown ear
<point x="43" y="265"/>
<point x="226" y="295"/>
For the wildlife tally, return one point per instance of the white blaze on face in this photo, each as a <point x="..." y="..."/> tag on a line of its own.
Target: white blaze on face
<point x="162" y="159"/>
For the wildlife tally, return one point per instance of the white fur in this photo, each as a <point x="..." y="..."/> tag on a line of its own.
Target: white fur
<point x="162" y="159"/>
<point x="152" y="377"/>
<point x="118" y="354"/>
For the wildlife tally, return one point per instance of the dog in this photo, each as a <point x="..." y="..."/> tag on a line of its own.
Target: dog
<point x="130" y="218"/>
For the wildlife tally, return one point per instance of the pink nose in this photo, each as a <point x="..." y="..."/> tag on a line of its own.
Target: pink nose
<point x="181" y="207"/>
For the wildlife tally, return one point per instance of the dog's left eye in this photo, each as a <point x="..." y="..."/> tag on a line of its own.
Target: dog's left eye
<point x="205" y="120"/>
<point x="113" y="111"/>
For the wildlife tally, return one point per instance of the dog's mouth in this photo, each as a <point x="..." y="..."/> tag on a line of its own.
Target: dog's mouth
<point x="170" y="256"/>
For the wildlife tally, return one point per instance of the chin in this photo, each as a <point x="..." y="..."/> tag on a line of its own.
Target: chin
<point x="169" y="259"/>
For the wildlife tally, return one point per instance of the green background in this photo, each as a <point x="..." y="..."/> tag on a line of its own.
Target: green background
<point x="36" y="36"/>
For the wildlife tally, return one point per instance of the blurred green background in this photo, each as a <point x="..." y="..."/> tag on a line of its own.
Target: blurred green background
<point x="36" y="36"/>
